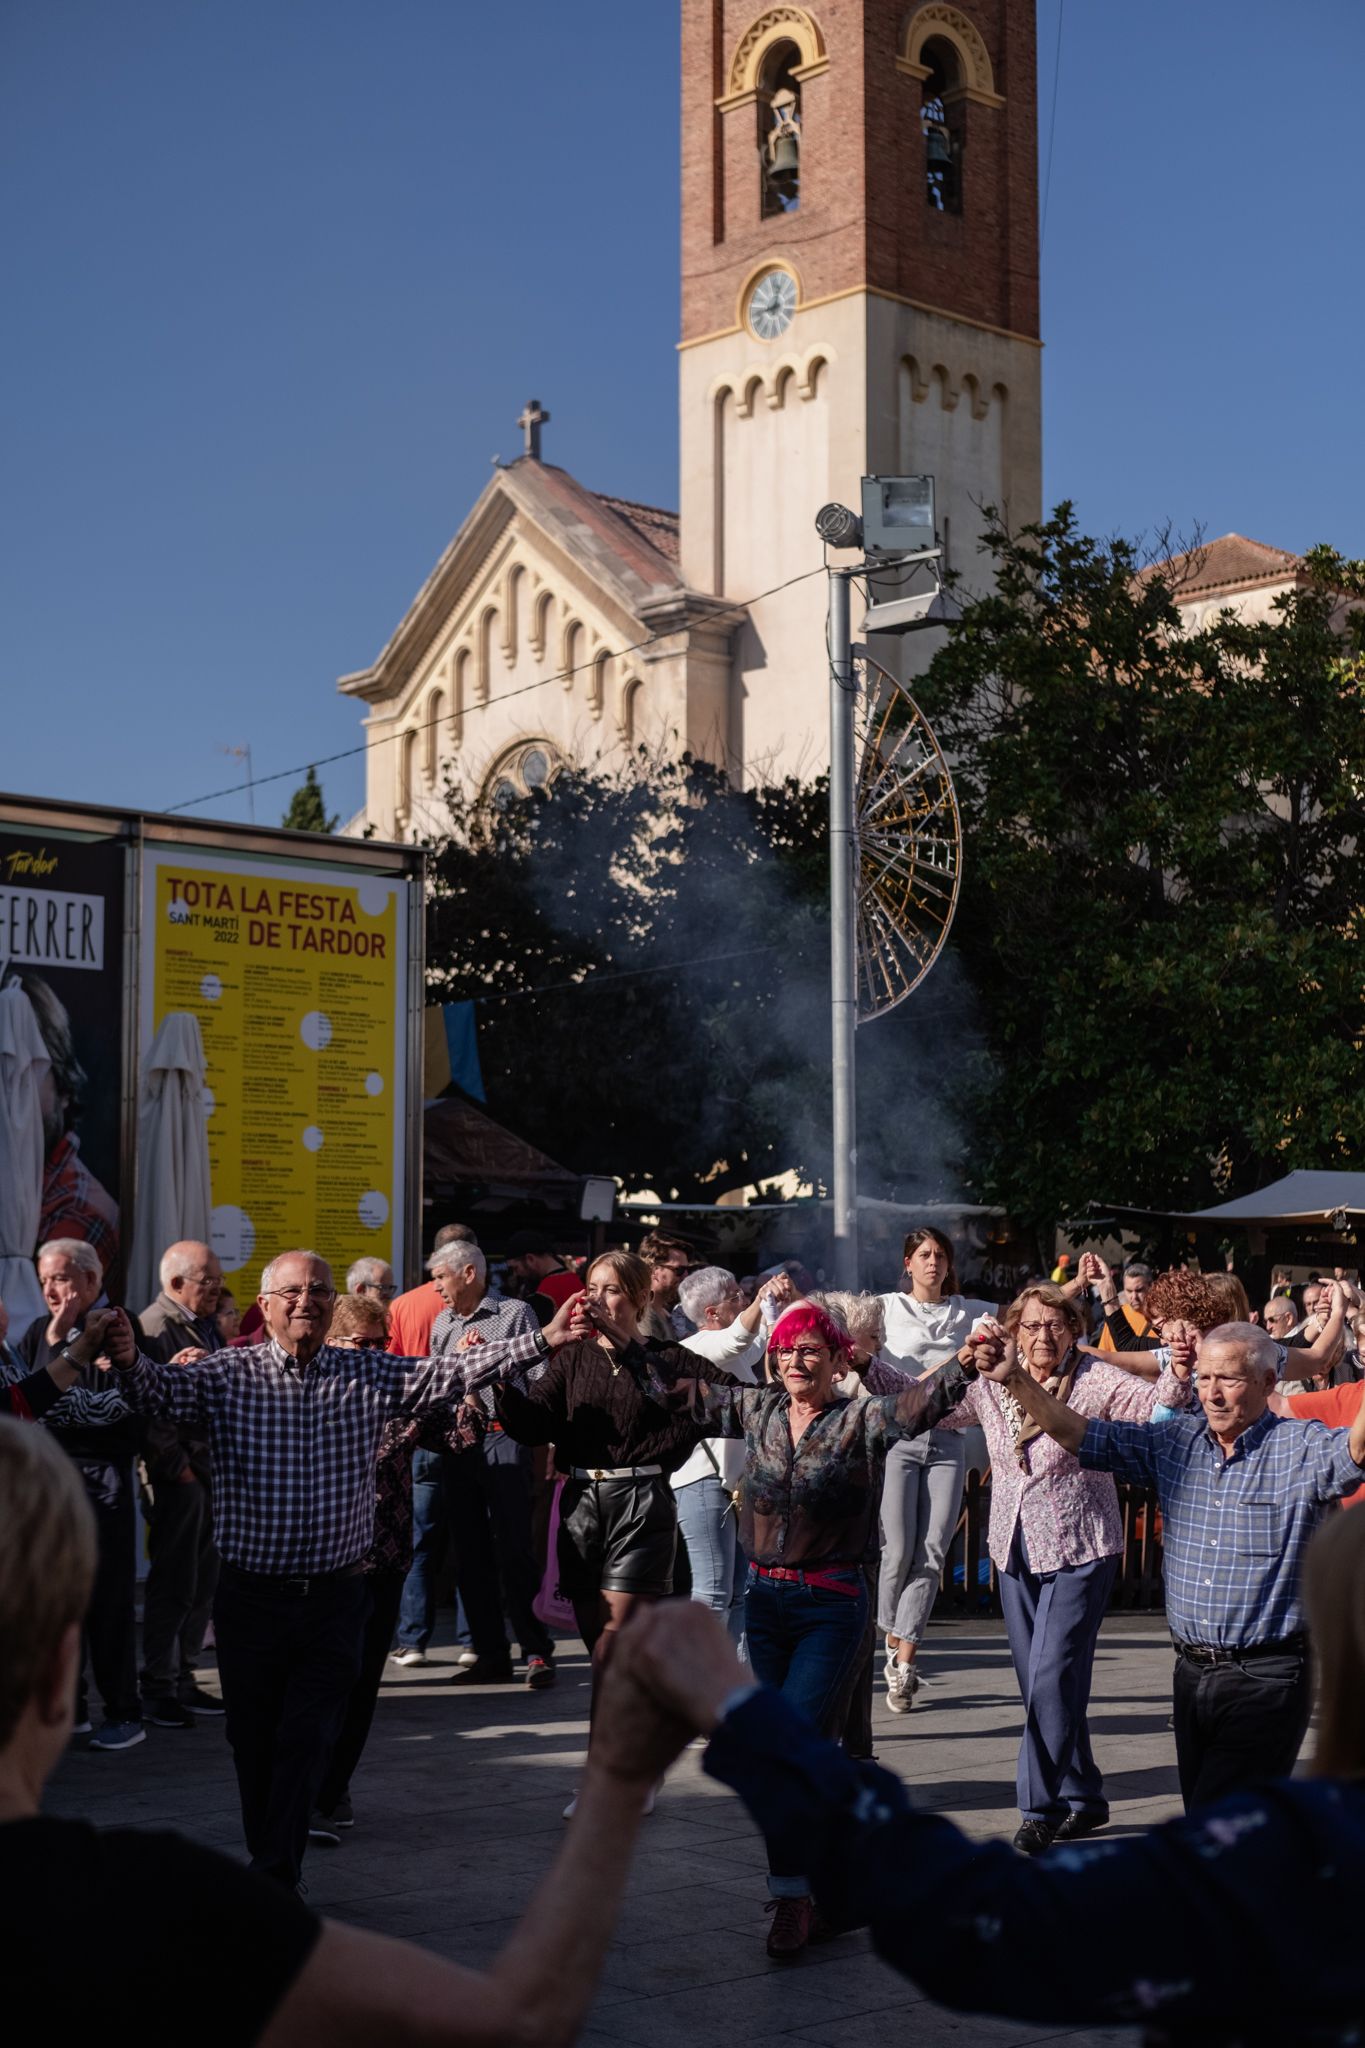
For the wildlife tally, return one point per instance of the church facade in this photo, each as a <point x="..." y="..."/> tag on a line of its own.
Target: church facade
<point x="860" y="296"/>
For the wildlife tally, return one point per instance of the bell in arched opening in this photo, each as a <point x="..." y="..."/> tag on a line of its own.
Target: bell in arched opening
<point x="783" y="150"/>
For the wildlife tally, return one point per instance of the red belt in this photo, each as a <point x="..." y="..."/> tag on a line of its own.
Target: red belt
<point x="828" y="1582"/>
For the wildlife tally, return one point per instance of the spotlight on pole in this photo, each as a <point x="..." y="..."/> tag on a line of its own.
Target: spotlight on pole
<point x="838" y="527"/>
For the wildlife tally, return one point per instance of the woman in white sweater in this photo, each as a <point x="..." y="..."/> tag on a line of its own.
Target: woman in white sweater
<point x="922" y="1493"/>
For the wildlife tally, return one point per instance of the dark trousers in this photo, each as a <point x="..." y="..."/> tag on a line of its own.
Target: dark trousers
<point x="805" y="1641"/>
<point x="111" y="1620"/>
<point x="385" y="1591"/>
<point x="1237" y="1724"/>
<point x="418" y="1609"/>
<point x="287" y="1661"/>
<point x="1053" y="1622"/>
<point x="178" y="1598"/>
<point x="489" y="1500"/>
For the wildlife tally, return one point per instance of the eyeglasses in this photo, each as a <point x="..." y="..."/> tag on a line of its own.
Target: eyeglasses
<point x="804" y="1354"/>
<point x="377" y="1287"/>
<point x="1053" y="1329"/>
<point x="291" y="1295"/>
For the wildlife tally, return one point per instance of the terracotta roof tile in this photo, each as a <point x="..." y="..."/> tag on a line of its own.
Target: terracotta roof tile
<point x="1226" y="564"/>
<point x="658" y="527"/>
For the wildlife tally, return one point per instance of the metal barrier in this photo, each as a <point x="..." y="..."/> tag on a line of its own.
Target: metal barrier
<point x="968" y="1581"/>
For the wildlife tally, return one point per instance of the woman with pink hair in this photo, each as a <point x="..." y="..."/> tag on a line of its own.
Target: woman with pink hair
<point x="808" y="1525"/>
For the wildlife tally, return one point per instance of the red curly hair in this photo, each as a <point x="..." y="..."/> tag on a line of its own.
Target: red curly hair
<point x="1179" y="1296"/>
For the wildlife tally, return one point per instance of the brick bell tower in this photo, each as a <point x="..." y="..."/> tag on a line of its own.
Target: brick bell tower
<point x="859" y="295"/>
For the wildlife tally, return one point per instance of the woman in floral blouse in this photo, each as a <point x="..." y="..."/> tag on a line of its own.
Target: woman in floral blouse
<point x="1055" y="1540"/>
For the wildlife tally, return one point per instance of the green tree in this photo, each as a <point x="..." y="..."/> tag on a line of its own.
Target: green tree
<point x="307" y="812"/>
<point x="1163" y="877"/>
<point x="649" y="950"/>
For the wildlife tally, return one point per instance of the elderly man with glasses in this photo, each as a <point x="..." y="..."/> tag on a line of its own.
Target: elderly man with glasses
<point x="294" y="1428"/>
<point x="372" y="1280"/>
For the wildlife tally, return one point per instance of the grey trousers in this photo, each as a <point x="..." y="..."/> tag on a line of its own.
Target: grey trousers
<point x="920" y="1507"/>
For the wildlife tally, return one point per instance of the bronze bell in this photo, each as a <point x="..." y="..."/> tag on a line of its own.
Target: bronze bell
<point x="938" y="147"/>
<point x="784" y="156"/>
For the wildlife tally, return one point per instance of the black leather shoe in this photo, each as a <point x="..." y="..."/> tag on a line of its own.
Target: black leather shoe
<point x="484" y="1672"/>
<point x="1033" y="1837"/>
<point x="1078" y="1822"/>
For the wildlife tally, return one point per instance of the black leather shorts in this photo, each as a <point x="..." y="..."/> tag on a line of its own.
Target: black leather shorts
<point x="617" y="1536"/>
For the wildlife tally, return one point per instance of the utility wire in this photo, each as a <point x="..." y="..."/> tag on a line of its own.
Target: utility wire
<point x="1052" y="120"/>
<point x="347" y="753"/>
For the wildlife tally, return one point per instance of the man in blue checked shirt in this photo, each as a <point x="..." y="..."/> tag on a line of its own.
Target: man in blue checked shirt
<point x="1241" y="1492"/>
<point x="294" y="1428"/>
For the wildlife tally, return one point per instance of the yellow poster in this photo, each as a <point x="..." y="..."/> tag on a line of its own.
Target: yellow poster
<point x="297" y="975"/>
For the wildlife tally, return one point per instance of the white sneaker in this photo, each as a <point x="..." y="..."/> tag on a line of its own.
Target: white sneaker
<point x="406" y="1657"/>
<point x="901" y="1687"/>
<point x="648" y="1807"/>
<point x="468" y="1659"/>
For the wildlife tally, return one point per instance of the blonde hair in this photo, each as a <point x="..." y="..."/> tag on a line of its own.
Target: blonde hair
<point x="1334" y="1588"/>
<point x="1229" y="1297"/>
<point x="47" y="1560"/>
<point x="633" y="1275"/>
<point x="357" y="1316"/>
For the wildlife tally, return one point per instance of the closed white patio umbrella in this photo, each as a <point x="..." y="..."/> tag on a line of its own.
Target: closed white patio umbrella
<point x="174" y="1200"/>
<point x="23" y="1064"/>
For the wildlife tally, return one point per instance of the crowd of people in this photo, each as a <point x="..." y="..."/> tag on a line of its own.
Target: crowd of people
<point x="794" y="1458"/>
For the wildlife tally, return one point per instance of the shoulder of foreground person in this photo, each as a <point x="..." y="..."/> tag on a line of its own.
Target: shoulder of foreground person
<point x="147" y="1908"/>
<point x="1070" y="1937"/>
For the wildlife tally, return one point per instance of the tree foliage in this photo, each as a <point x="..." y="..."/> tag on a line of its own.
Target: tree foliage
<point x="1163" y="876"/>
<point x="649" y="950"/>
<point x="307" y="812"/>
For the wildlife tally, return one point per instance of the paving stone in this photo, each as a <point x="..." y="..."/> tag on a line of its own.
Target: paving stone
<point x="459" y="1800"/>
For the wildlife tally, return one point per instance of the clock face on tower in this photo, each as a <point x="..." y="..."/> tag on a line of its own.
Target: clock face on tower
<point x="772" y="302"/>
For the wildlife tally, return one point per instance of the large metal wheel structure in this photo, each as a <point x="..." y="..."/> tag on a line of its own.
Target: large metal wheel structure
<point x="909" y="841"/>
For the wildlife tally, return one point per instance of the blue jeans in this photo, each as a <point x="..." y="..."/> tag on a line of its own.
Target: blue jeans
<point x="706" y="1523"/>
<point x="805" y="1641"/>
<point x="417" y="1609"/>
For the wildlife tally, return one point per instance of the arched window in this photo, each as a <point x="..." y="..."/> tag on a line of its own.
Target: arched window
<point x="597" y="682"/>
<point x="407" y="751"/>
<point x="779" y="131"/>
<point x="528" y="766"/>
<point x="433" y="718"/>
<point x="942" y="138"/>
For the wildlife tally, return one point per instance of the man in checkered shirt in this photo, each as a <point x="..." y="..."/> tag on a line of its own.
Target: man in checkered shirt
<point x="294" y="1428"/>
<point x="1241" y="1491"/>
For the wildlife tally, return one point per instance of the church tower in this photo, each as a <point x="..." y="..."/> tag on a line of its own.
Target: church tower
<point x="859" y="296"/>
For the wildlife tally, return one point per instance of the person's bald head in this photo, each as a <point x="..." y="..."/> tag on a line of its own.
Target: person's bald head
<point x="1278" y="1316"/>
<point x="192" y="1275"/>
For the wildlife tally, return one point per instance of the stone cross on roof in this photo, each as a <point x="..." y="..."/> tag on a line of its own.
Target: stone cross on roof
<point x="531" y="419"/>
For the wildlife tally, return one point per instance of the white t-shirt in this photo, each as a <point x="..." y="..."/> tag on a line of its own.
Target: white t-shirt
<point x="923" y="1334"/>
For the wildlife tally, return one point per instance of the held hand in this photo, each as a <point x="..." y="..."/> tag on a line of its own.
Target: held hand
<point x="560" y="1327"/>
<point x="779" y="1292"/>
<point x="1184" y="1342"/>
<point x="680" y="1656"/>
<point x="191" y="1355"/>
<point x="636" y="1733"/>
<point x="997" y="1355"/>
<point x="100" y="1334"/>
<point x="469" y="1340"/>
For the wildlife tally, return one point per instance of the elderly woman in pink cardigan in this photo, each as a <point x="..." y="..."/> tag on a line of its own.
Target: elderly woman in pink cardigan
<point x="1055" y="1540"/>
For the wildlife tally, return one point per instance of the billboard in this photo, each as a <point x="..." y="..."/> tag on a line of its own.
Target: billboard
<point x="298" y="974"/>
<point x="61" y="941"/>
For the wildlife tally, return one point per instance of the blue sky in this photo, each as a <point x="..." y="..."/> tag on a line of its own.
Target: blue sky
<point x="280" y="275"/>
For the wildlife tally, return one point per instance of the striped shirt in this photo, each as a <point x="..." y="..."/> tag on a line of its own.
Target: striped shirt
<point x="1234" y="1528"/>
<point x="294" y="1447"/>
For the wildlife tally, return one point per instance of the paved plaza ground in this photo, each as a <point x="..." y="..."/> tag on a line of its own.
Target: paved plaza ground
<point x="458" y="1804"/>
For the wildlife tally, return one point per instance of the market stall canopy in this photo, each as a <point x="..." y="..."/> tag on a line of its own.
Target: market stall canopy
<point x="1307" y="1197"/>
<point x="461" y="1143"/>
